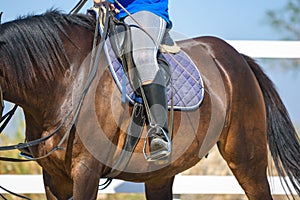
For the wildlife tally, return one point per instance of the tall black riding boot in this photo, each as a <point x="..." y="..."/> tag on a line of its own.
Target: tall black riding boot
<point x="160" y="145"/>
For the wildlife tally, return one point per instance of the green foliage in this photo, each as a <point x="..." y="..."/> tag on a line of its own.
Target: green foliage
<point x="287" y="20"/>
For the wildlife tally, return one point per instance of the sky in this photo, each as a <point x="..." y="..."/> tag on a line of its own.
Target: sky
<point x="229" y="20"/>
<point x="234" y="19"/>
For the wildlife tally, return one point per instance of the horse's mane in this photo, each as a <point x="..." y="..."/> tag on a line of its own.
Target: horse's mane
<point x="36" y="41"/>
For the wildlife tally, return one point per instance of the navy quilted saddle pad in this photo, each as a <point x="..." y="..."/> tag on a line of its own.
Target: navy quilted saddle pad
<point x="188" y="90"/>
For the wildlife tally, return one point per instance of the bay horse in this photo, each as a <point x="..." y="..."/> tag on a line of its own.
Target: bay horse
<point x="44" y="65"/>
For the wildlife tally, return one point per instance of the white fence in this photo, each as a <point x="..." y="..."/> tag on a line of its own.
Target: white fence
<point x="267" y="49"/>
<point x="33" y="184"/>
<point x="183" y="184"/>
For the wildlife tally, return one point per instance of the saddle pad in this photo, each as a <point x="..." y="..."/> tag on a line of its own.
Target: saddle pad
<point x="188" y="90"/>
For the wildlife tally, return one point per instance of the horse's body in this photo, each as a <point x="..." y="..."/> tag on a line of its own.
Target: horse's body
<point x="45" y="74"/>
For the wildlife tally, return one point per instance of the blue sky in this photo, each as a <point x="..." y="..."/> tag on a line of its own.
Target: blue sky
<point x="234" y="19"/>
<point x="230" y="20"/>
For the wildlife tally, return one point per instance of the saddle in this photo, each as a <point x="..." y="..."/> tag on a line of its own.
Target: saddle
<point x="184" y="83"/>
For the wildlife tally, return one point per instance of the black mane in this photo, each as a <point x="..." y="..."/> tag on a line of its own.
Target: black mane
<point x="36" y="41"/>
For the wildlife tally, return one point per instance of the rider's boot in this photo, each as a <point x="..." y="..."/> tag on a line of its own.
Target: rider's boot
<point x="160" y="145"/>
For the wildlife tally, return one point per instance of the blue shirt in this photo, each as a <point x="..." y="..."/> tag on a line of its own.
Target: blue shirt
<point x="158" y="7"/>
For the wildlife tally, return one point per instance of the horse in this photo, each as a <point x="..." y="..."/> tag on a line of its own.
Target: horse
<point x="44" y="69"/>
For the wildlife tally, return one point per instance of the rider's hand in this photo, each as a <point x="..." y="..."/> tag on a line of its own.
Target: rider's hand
<point x="98" y="3"/>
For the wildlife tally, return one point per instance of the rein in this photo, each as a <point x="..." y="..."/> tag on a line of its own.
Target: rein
<point x="95" y="58"/>
<point x="7" y="117"/>
<point x="78" y="7"/>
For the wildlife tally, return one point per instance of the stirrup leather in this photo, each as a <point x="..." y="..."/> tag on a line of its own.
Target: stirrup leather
<point x="159" y="154"/>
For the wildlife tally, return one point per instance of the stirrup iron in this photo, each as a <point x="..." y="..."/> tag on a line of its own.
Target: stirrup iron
<point x="160" y="154"/>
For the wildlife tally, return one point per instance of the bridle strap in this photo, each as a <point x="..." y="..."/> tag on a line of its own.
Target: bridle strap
<point x="0" y="17"/>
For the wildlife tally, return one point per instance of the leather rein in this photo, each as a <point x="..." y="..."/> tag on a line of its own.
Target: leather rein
<point x="95" y="57"/>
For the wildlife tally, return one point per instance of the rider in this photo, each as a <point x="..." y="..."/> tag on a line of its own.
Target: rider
<point x="153" y="17"/>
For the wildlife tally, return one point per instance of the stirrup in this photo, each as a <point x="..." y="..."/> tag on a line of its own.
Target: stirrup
<point x="160" y="154"/>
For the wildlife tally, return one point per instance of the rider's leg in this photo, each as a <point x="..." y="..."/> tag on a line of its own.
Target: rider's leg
<point x="145" y="58"/>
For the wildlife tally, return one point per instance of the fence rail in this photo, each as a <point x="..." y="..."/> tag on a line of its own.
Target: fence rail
<point x="33" y="184"/>
<point x="267" y="49"/>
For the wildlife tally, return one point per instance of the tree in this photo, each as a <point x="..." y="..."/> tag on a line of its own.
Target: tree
<point x="287" y="20"/>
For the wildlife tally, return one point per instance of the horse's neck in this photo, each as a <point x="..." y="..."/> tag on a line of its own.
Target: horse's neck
<point x="9" y="85"/>
<point x="47" y="85"/>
